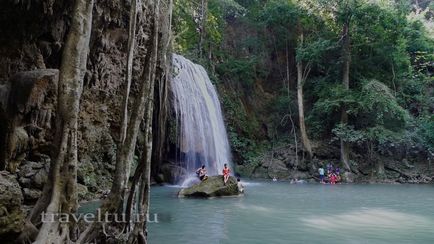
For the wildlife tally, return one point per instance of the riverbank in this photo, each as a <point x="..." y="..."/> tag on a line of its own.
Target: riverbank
<point x="283" y="163"/>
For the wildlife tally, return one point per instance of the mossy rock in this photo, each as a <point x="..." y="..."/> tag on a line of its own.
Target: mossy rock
<point x="11" y="214"/>
<point x="212" y="187"/>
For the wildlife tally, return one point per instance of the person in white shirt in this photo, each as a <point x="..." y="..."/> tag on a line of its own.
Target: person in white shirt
<point x="321" y="174"/>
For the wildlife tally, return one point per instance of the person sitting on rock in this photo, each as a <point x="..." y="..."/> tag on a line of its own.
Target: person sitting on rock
<point x="226" y="172"/>
<point x="240" y="186"/>
<point x="201" y="172"/>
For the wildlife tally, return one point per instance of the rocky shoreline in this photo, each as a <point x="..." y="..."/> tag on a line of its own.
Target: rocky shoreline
<point x="281" y="163"/>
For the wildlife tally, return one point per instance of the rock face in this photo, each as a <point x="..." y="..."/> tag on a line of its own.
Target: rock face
<point x="28" y="114"/>
<point x="11" y="214"/>
<point x="212" y="187"/>
<point x="32" y="177"/>
<point x="170" y="172"/>
<point x="25" y="142"/>
<point x="32" y="39"/>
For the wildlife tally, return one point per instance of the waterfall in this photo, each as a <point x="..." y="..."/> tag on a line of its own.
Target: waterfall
<point x="202" y="138"/>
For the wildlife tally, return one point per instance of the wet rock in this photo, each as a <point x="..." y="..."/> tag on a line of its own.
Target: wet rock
<point x="40" y="178"/>
<point x="277" y="168"/>
<point x="33" y="174"/>
<point x="159" y="178"/>
<point x="212" y="187"/>
<point x="407" y="164"/>
<point x="401" y="180"/>
<point x="300" y="175"/>
<point x="83" y="192"/>
<point x="11" y="214"/>
<point x="303" y="165"/>
<point x="348" y="177"/>
<point x="260" y="172"/>
<point x="171" y="172"/>
<point x="31" y="195"/>
<point x="86" y="174"/>
<point x="245" y="170"/>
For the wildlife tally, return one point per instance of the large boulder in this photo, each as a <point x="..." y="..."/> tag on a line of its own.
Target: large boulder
<point x="32" y="177"/>
<point x="212" y="187"/>
<point x="277" y="168"/>
<point x="11" y="214"/>
<point x="171" y="172"/>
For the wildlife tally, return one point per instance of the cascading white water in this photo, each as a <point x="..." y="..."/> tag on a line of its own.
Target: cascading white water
<point x="202" y="133"/>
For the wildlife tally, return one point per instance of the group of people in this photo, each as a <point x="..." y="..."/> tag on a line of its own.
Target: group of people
<point x="331" y="176"/>
<point x="202" y="173"/>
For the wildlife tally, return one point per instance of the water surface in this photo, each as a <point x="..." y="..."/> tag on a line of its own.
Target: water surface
<point x="279" y="212"/>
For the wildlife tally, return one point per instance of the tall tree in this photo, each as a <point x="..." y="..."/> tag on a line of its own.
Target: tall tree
<point x="302" y="73"/>
<point x="202" y="25"/>
<point x="61" y="187"/>
<point x="130" y="59"/>
<point x="346" y="61"/>
<point x="156" y="46"/>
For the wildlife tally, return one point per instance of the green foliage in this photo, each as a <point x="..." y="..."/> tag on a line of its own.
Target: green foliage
<point x="184" y="26"/>
<point x="186" y="23"/>
<point x="241" y="130"/>
<point x="242" y="70"/>
<point x="426" y="131"/>
<point x="230" y="8"/>
<point x="314" y="50"/>
<point x="377" y="111"/>
<point x="380" y="118"/>
<point x="332" y="96"/>
<point x="244" y="146"/>
<point x="348" y="133"/>
<point x="253" y="42"/>
<point x="379" y="105"/>
<point x="281" y="15"/>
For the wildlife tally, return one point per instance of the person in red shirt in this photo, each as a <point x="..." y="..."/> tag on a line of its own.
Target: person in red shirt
<point x="226" y="172"/>
<point x="333" y="178"/>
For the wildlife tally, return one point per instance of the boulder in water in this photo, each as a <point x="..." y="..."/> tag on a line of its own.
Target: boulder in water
<point x="212" y="187"/>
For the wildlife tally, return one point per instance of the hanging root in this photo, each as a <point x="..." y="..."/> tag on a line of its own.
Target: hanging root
<point x="28" y="234"/>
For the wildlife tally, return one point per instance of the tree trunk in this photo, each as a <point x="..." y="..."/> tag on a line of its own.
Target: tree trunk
<point x="126" y="150"/>
<point x="202" y="23"/>
<point x="300" y="82"/>
<point x="140" y="232"/>
<point x="293" y="130"/>
<point x="162" y="90"/>
<point x="346" y="54"/>
<point x="142" y="108"/>
<point x="63" y="171"/>
<point x="141" y="227"/>
<point x="130" y="58"/>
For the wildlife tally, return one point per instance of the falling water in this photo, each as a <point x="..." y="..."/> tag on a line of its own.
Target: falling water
<point x="202" y="134"/>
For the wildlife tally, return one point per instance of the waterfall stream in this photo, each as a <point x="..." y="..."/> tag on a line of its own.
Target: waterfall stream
<point x="202" y="138"/>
